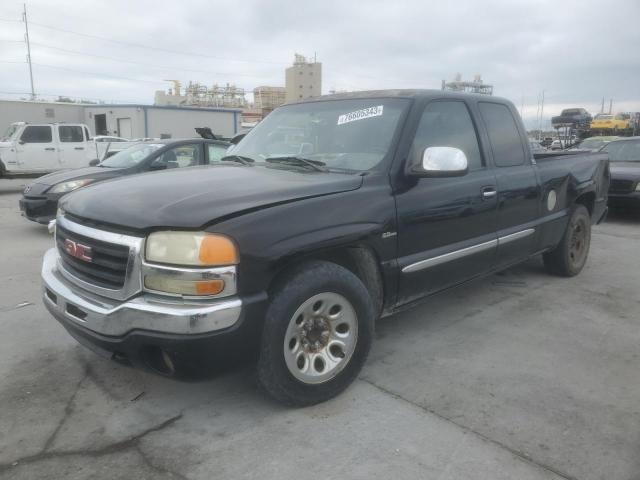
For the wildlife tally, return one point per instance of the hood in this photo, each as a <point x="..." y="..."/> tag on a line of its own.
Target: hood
<point x="628" y="170"/>
<point x="6" y="144"/>
<point x="78" y="173"/>
<point x="194" y="197"/>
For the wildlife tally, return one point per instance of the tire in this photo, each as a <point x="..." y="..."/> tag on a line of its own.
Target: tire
<point x="570" y="255"/>
<point x="317" y="334"/>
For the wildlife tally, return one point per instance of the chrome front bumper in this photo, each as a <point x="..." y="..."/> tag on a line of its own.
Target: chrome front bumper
<point x="147" y="312"/>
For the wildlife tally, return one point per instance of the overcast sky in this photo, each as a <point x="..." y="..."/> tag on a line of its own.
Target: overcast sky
<point x="576" y="51"/>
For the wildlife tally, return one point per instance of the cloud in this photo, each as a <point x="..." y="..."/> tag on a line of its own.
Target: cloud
<point x="575" y="50"/>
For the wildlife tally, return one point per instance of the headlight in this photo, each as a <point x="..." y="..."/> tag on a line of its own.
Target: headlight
<point x="638" y="187"/>
<point x="191" y="248"/>
<point x="69" y="186"/>
<point x="187" y="250"/>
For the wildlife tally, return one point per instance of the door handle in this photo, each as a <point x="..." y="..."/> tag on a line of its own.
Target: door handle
<point x="489" y="192"/>
<point x="79" y="148"/>
<point x="50" y="148"/>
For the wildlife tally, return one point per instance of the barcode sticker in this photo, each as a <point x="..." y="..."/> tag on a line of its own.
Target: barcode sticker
<point x="360" y="114"/>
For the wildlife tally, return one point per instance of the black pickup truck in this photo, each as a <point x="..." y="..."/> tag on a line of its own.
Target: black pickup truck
<point x="577" y="118"/>
<point x="327" y="215"/>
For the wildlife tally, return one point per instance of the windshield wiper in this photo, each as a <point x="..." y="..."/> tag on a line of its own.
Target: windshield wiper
<point x="238" y="159"/>
<point x="300" y="162"/>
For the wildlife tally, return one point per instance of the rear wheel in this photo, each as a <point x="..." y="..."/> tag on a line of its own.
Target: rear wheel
<point x="569" y="257"/>
<point x="317" y="334"/>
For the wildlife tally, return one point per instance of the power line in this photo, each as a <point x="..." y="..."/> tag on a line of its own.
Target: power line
<point x="149" y="47"/>
<point x="97" y="74"/>
<point x="87" y="73"/>
<point x="47" y="94"/>
<point x="76" y="52"/>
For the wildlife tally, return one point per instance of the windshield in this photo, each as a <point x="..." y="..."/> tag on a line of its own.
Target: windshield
<point x="9" y="132"/>
<point x="353" y="135"/>
<point x="623" y="151"/>
<point x="131" y="156"/>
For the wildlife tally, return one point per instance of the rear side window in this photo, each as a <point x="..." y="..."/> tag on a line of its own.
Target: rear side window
<point x="70" y="133"/>
<point x="216" y="152"/>
<point x="503" y="134"/>
<point x="448" y="124"/>
<point x="34" y="134"/>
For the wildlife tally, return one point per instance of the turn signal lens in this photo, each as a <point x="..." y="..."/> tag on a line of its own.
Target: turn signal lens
<point x="166" y="284"/>
<point x="217" y="250"/>
<point x="191" y="248"/>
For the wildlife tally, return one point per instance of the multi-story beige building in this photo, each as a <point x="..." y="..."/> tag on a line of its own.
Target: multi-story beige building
<point x="303" y="80"/>
<point x="268" y="98"/>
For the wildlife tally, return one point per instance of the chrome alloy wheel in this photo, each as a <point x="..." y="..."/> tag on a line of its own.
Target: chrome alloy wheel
<point x="321" y="338"/>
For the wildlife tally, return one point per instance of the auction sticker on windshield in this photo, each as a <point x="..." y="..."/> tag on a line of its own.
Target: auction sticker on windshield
<point x="360" y="114"/>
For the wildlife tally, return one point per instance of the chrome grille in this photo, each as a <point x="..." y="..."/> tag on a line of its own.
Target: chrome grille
<point x="108" y="265"/>
<point x="114" y="270"/>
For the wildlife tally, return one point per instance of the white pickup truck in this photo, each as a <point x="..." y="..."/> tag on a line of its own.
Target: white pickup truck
<point x="39" y="148"/>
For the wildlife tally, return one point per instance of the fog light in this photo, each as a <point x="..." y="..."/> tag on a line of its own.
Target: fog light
<point x="162" y="283"/>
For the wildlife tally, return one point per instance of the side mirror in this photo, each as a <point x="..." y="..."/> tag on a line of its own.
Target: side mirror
<point x="442" y="162"/>
<point x="94" y="162"/>
<point x="236" y="139"/>
<point x="21" y="142"/>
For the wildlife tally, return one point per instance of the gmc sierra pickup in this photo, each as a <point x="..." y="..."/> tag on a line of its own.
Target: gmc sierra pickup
<point x="327" y="215"/>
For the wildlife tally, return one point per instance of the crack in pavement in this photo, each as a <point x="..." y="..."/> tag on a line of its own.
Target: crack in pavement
<point x="68" y="410"/>
<point x="147" y="461"/>
<point x="131" y="442"/>
<point x="521" y="455"/>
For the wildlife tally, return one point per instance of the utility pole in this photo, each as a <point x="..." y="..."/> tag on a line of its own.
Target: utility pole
<point x="541" y="109"/>
<point x="26" y="38"/>
<point x="610" y="105"/>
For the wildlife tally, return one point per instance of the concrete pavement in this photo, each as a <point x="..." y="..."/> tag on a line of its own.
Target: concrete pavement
<point x="518" y="376"/>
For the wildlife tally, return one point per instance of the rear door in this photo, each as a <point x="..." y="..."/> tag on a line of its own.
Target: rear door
<point x="446" y="226"/>
<point x="36" y="150"/>
<point x="73" y="153"/>
<point x="518" y="191"/>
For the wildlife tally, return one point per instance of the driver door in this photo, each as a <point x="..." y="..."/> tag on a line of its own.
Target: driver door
<point x="37" y="150"/>
<point x="446" y="225"/>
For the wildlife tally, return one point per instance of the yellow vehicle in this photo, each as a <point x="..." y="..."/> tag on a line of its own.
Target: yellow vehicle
<point x="603" y="121"/>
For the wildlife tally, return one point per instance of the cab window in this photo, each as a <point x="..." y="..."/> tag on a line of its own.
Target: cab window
<point x="503" y="134"/>
<point x="70" y="134"/>
<point x="36" y="134"/>
<point x="448" y="124"/>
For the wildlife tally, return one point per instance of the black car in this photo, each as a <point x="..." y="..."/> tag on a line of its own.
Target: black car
<point x="40" y="199"/>
<point x="624" y="189"/>
<point x="577" y="118"/>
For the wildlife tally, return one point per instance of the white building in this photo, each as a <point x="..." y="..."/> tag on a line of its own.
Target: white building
<point x="128" y="121"/>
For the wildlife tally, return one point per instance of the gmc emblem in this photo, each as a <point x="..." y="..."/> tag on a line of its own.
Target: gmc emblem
<point x="77" y="250"/>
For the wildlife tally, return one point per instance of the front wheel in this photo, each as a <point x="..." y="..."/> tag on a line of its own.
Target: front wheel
<point x="317" y="334"/>
<point x="569" y="257"/>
